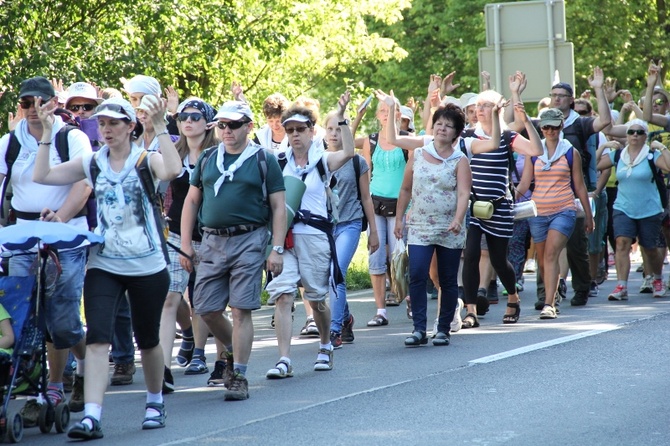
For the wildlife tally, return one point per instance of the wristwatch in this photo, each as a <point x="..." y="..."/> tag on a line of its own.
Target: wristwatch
<point x="345" y="122"/>
<point x="278" y="249"/>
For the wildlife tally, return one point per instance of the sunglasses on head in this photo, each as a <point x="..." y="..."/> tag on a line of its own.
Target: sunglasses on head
<point x="551" y="127"/>
<point x="636" y="132"/>
<point x="112" y="107"/>
<point x="232" y="125"/>
<point x="195" y="117"/>
<point x="85" y="107"/>
<point x="301" y="129"/>
<point x="25" y="104"/>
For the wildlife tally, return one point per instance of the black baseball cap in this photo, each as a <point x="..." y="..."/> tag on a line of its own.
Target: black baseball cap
<point x="37" y="86"/>
<point x="565" y="86"/>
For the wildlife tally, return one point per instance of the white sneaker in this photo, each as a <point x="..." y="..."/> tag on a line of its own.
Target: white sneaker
<point x="647" y="286"/>
<point x="530" y="266"/>
<point x="457" y="323"/>
<point x="659" y="288"/>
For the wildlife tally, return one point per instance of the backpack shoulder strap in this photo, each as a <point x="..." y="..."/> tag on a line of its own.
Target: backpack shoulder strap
<point x="262" y="162"/>
<point x="94" y="170"/>
<point x="617" y="157"/>
<point x="373" y="138"/>
<point x="13" y="149"/>
<point x="63" y="143"/>
<point x="147" y="181"/>
<point x="357" y="174"/>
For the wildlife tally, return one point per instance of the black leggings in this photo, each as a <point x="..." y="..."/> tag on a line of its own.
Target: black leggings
<point x="103" y="293"/>
<point x="498" y="256"/>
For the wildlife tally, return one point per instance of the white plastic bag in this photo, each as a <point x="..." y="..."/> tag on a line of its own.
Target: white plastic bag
<point x="400" y="270"/>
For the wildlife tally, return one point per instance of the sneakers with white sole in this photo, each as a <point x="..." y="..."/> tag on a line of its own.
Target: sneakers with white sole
<point x="620" y="293"/>
<point x="659" y="288"/>
<point x="457" y="322"/>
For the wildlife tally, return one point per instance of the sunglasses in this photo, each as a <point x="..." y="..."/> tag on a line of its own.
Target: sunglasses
<point x="296" y="130"/>
<point x="550" y="127"/>
<point x="232" y="125"/>
<point x="195" y="117"/>
<point x="636" y="132"/>
<point x="85" y="107"/>
<point x="659" y="101"/>
<point x="27" y="104"/>
<point x="112" y="107"/>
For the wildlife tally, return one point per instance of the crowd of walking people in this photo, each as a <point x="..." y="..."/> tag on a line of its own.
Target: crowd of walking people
<point x="480" y="192"/>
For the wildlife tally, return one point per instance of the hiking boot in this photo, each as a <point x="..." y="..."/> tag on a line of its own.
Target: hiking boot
<point x="238" y="388"/>
<point x="68" y="382"/>
<point x="336" y="340"/>
<point x="123" y="374"/>
<point x="216" y="377"/>
<point x="31" y="413"/>
<point x="168" y="381"/>
<point x="76" y="403"/>
<point x="580" y="299"/>
<point x="348" y="330"/>
<point x="647" y="286"/>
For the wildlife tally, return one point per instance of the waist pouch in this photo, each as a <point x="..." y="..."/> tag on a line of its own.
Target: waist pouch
<point x="384" y="207"/>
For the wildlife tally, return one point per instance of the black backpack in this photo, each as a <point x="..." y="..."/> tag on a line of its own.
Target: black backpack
<point x="357" y="171"/>
<point x="656" y="177"/>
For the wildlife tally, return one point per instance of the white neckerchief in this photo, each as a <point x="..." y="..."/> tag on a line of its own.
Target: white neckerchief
<point x="264" y="135"/>
<point x="561" y="149"/>
<point x="479" y="131"/>
<point x="314" y="154"/>
<point x="249" y="151"/>
<point x="29" y="143"/>
<point x="628" y="165"/>
<point x="116" y="178"/>
<point x="432" y="151"/>
<point x="572" y="117"/>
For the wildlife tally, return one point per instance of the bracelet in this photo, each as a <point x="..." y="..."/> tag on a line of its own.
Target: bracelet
<point x="42" y="143"/>
<point x="162" y="133"/>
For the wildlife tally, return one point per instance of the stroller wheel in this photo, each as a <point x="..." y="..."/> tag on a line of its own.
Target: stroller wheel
<point x="14" y="427"/>
<point x="46" y="418"/>
<point x="62" y="417"/>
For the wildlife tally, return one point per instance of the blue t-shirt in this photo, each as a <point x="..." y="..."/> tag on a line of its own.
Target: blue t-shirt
<point x="637" y="194"/>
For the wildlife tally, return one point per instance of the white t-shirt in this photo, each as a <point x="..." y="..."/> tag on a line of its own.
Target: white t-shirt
<point x="29" y="196"/>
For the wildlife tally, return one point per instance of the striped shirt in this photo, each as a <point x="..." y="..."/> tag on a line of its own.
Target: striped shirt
<point x="553" y="191"/>
<point x="490" y="181"/>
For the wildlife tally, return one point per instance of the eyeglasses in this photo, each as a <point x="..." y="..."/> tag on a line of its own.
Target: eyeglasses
<point x="583" y="112"/>
<point x="85" y="107"/>
<point x="112" y="107"/>
<point x="636" y="132"/>
<point x="550" y="127"/>
<point x="660" y="101"/>
<point x="559" y="96"/>
<point x="232" y="125"/>
<point x="296" y="130"/>
<point x="485" y="105"/>
<point x="195" y="117"/>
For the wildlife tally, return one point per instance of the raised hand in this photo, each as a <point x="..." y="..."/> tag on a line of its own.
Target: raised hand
<point x="653" y="72"/>
<point x="447" y="85"/>
<point x="45" y="112"/>
<point x="435" y="83"/>
<point x="342" y="104"/>
<point x="611" y="92"/>
<point x="597" y="79"/>
<point x="237" y="91"/>
<point x="172" y="99"/>
<point x="520" y="112"/>
<point x="385" y="98"/>
<point x="626" y="95"/>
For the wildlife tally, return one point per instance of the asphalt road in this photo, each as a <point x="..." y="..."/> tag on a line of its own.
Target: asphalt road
<point x="597" y="375"/>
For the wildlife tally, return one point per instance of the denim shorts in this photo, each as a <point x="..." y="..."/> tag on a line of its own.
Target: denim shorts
<point x="63" y="300"/>
<point x="645" y="229"/>
<point x="563" y="222"/>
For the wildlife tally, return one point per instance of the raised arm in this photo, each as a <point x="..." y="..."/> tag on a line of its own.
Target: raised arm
<point x="648" y="112"/>
<point x="407" y="142"/>
<point x="339" y="158"/>
<point x="596" y="81"/>
<point x="531" y="146"/>
<point x="167" y="164"/>
<point x="517" y="84"/>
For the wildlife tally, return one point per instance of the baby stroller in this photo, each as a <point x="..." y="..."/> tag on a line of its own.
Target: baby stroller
<point x="23" y="297"/>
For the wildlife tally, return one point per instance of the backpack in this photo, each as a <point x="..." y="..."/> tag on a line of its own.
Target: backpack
<point x="332" y="199"/>
<point x="13" y="149"/>
<point x="569" y="156"/>
<point x="373" y="138"/>
<point x="656" y="177"/>
<point x="357" y="173"/>
<point x="576" y="130"/>
<point x="147" y="181"/>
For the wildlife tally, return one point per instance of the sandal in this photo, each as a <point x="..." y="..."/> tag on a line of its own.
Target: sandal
<point x="198" y="366"/>
<point x="281" y="370"/>
<point x="442" y="338"/>
<point x="185" y="355"/>
<point x="391" y="299"/>
<point x="416" y="338"/>
<point x="548" y="312"/>
<point x="157" y="421"/>
<point x="514" y="317"/>
<point x="377" y="321"/>
<point x="81" y="431"/>
<point x="470" y="321"/>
